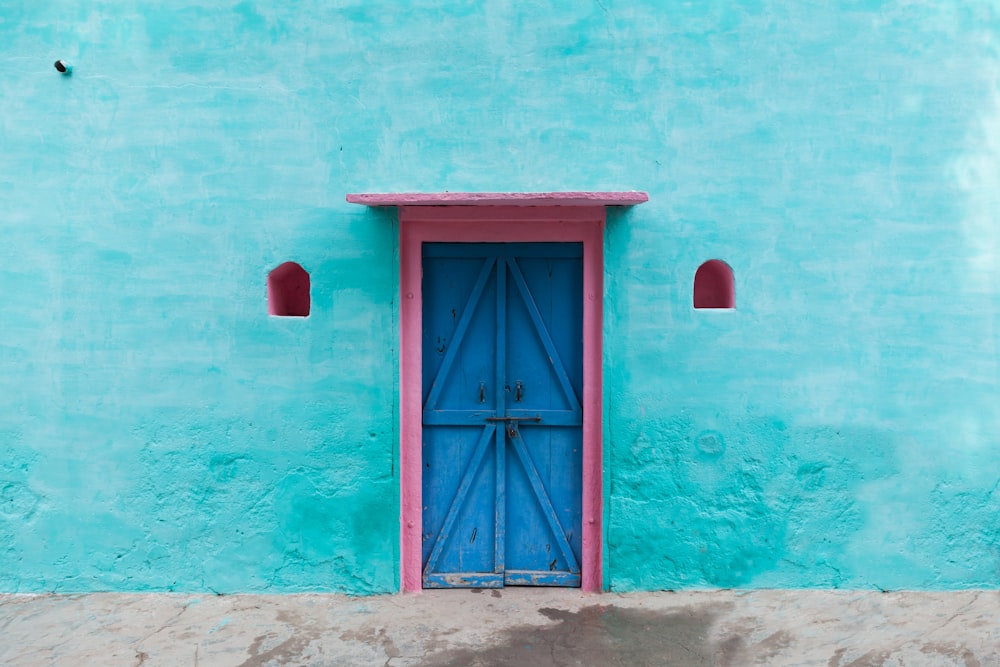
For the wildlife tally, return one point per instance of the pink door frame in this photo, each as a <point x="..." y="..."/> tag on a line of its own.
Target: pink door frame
<point x="503" y="224"/>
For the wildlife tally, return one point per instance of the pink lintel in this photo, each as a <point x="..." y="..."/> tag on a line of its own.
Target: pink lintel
<point x="629" y="198"/>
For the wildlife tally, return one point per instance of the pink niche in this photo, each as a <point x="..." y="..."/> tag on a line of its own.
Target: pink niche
<point x="288" y="291"/>
<point x="714" y="286"/>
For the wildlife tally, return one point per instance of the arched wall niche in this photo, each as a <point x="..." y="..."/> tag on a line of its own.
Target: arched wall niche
<point x="288" y="291"/>
<point x="714" y="286"/>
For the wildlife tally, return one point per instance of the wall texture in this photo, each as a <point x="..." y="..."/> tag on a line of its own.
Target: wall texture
<point x="159" y="431"/>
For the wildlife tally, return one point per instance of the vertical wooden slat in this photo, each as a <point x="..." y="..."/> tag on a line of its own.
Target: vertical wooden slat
<point x="500" y="543"/>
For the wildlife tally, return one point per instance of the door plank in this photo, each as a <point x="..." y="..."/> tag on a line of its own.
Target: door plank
<point x="542" y="497"/>
<point x="543" y="335"/>
<point x="460" y="495"/>
<point x="500" y="527"/>
<point x="463" y="324"/>
<point x="541" y="578"/>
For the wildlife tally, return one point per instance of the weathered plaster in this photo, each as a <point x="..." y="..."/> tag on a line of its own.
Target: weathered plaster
<point x="160" y="431"/>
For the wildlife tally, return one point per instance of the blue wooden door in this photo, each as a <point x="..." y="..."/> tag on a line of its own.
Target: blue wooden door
<point x="502" y="422"/>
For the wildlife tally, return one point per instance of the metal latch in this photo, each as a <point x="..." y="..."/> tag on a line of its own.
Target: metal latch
<point x="511" y="422"/>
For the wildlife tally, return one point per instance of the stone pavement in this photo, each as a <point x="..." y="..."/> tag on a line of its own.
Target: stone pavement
<point x="505" y="627"/>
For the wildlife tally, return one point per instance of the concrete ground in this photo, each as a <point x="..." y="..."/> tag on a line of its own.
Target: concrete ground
<point x="505" y="627"/>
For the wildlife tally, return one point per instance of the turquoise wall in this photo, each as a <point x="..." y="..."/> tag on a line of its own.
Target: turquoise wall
<point x="161" y="432"/>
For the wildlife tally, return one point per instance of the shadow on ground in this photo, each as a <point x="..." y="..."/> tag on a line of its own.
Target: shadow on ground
<point x="598" y="635"/>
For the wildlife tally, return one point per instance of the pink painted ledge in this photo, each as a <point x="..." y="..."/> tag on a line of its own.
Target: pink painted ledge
<point x="630" y="198"/>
